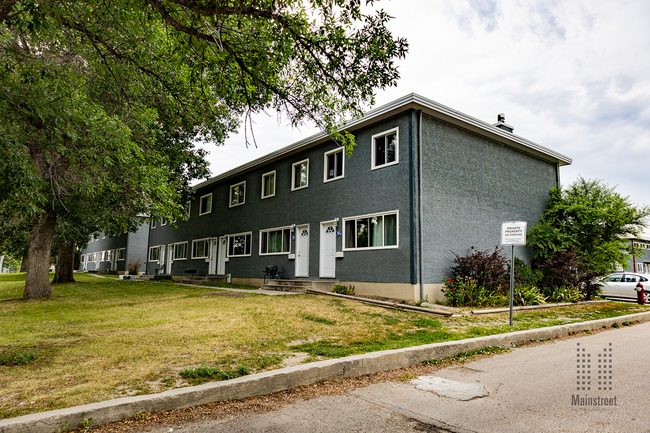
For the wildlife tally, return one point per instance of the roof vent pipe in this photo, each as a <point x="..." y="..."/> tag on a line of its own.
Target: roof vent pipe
<point x="501" y="123"/>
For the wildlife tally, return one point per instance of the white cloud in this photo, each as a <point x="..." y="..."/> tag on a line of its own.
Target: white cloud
<point x="571" y="76"/>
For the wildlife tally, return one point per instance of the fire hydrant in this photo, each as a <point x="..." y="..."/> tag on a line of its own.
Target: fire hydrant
<point x="640" y="294"/>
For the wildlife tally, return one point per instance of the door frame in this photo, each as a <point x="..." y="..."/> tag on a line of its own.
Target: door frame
<point x="213" y="255"/>
<point x="222" y="255"/>
<point x="299" y="260"/>
<point x="170" y="259"/>
<point x="321" y="257"/>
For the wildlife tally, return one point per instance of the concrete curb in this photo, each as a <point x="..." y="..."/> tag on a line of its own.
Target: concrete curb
<point x="278" y="380"/>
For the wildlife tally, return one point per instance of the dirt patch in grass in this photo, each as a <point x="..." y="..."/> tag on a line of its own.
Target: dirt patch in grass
<point x="226" y="294"/>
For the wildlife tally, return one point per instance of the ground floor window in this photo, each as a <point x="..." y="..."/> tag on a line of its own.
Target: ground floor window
<point x="371" y="231"/>
<point x="121" y="253"/>
<point x="154" y="254"/>
<point x="180" y="251"/>
<point x="239" y="244"/>
<point x="275" y="241"/>
<point x="200" y="248"/>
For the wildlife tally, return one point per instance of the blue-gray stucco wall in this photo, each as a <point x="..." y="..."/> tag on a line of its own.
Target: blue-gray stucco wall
<point x="135" y="244"/>
<point x="361" y="191"/>
<point x="470" y="186"/>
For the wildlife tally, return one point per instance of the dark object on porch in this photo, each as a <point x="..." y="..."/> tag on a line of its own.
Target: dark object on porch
<point x="271" y="272"/>
<point x="190" y="271"/>
<point x="157" y="271"/>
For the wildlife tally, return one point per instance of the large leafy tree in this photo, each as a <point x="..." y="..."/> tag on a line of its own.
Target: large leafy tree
<point x="590" y="219"/>
<point x="102" y="100"/>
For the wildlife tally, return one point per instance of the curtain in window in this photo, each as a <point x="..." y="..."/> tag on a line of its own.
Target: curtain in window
<point x="350" y="234"/>
<point x="376" y="231"/>
<point x="390" y="229"/>
<point x="275" y="242"/>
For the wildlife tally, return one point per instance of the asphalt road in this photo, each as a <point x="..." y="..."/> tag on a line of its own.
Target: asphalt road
<point x="531" y="389"/>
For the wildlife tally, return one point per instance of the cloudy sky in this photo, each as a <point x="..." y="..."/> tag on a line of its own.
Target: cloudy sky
<point x="573" y="76"/>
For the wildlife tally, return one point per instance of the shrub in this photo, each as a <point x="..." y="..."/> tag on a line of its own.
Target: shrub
<point x="487" y="270"/>
<point x="343" y="290"/>
<point x="527" y="295"/>
<point x="566" y="269"/>
<point x="462" y="292"/>
<point x="563" y="294"/>
<point x="525" y="274"/>
<point x="134" y="266"/>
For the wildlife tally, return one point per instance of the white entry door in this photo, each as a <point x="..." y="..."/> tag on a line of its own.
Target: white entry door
<point x="170" y="258"/>
<point x="214" y="250"/>
<point x="302" y="251"/>
<point x="223" y="248"/>
<point x="327" y="250"/>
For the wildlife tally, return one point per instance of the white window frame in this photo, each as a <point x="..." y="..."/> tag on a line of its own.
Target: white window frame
<point x="103" y="235"/>
<point x="325" y="155"/>
<point x="293" y="175"/>
<point x="188" y="208"/>
<point x="230" y="199"/>
<point x="275" y="230"/>
<point x="104" y="256"/>
<point x="153" y="223"/>
<point x="372" y="142"/>
<point x="157" y="248"/>
<point x="385" y="247"/>
<point x="275" y="183"/>
<point x="163" y="222"/>
<point x="117" y="252"/>
<point x="201" y="202"/>
<point x="239" y="255"/>
<point x="176" y="251"/>
<point x="207" y="246"/>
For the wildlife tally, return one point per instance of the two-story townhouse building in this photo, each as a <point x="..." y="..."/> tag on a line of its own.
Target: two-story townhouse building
<point x="113" y="253"/>
<point x="423" y="181"/>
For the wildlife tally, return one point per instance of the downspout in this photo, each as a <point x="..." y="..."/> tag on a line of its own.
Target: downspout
<point x="419" y="143"/>
<point x="146" y="253"/>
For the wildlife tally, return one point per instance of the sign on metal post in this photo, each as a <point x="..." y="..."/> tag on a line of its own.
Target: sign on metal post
<point x="513" y="233"/>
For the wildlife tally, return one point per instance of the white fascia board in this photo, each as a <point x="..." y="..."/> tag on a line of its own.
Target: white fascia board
<point x="416" y="102"/>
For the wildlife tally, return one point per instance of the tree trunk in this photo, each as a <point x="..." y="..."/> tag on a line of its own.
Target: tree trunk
<point x="37" y="281"/>
<point x="23" y="264"/>
<point x="65" y="264"/>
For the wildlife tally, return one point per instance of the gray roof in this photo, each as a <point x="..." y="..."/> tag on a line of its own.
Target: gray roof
<point x="416" y="102"/>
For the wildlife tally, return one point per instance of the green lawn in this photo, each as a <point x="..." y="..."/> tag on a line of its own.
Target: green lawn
<point x="101" y="338"/>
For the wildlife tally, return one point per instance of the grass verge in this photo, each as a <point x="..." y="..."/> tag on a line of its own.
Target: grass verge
<point x="100" y="338"/>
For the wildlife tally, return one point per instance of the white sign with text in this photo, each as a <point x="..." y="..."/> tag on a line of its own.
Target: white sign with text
<point x="513" y="233"/>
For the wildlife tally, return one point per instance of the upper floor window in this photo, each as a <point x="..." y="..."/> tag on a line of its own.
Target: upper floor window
<point x="153" y="223"/>
<point x="333" y="165"/>
<point x="385" y="149"/>
<point x="163" y="222"/>
<point x="268" y="184"/>
<point x="237" y="194"/>
<point x="300" y="175"/>
<point x="371" y="231"/>
<point x="188" y="208"/>
<point x="205" y="204"/>
<point x="239" y="244"/>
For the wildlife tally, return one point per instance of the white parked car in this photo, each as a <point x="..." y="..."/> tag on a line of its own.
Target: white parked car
<point x="623" y="285"/>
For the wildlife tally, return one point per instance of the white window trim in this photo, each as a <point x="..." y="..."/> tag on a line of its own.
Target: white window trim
<point x="340" y="149"/>
<point x="163" y="222"/>
<point x="372" y="144"/>
<point x="117" y="254"/>
<point x="207" y="248"/>
<point x="228" y="244"/>
<point x="211" y="203"/>
<point x="274" y="230"/>
<point x="153" y="223"/>
<point x="275" y="184"/>
<point x="293" y="175"/>
<point x="149" y="256"/>
<point x="174" y="258"/>
<point x="230" y="199"/>
<point x="389" y="247"/>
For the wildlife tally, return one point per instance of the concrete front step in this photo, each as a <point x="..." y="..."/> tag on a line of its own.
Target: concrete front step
<point x="286" y="287"/>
